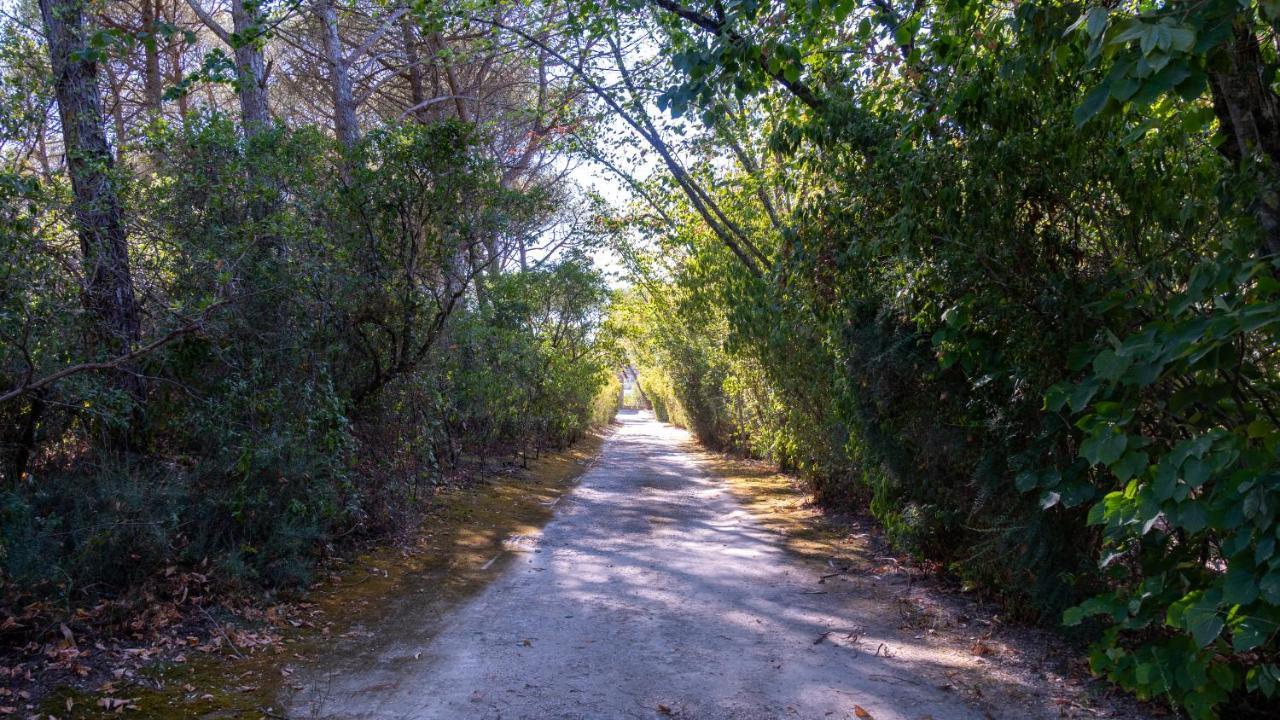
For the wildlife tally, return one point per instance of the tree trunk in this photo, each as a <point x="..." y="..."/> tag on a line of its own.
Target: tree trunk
<point x="108" y="287"/>
<point x="116" y="87"/>
<point x="345" y="124"/>
<point x="1249" y="113"/>
<point x="455" y="87"/>
<point x="251" y="83"/>
<point x="417" y="93"/>
<point x="151" y="57"/>
<point x="175" y="63"/>
<point x="23" y="442"/>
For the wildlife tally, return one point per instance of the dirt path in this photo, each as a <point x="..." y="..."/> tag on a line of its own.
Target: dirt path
<point x="653" y="593"/>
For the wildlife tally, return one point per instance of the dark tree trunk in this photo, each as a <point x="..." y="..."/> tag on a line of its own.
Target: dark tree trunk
<point x="175" y="63"/>
<point x="1249" y="112"/>
<point x="251" y="73"/>
<point x="21" y="440"/>
<point x="151" y="57"/>
<point x="108" y="287"/>
<point x="417" y="93"/>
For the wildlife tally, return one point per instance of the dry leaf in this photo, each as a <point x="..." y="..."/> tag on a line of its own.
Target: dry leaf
<point x="861" y="713"/>
<point x="118" y="704"/>
<point x="664" y="709"/>
<point x="66" y="635"/>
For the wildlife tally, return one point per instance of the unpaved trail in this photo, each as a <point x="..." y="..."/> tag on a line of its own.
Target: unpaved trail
<point x="652" y="593"/>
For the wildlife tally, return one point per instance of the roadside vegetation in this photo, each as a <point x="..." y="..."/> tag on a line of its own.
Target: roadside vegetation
<point x="1006" y="275"/>
<point x="234" y="343"/>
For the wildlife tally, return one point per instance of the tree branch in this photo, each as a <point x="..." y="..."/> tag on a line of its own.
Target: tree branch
<point x="677" y="171"/>
<point x="374" y="36"/>
<point x="209" y="22"/>
<point x="798" y="88"/>
<point x="112" y="364"/>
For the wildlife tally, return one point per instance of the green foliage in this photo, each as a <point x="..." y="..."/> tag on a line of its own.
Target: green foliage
<point x="1179" y="413"/>
<point x="340" y="353"/>
<point x="1039" y="349"/>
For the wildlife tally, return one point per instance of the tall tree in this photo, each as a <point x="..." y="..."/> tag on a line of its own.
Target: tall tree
<point x="245" y="40"/>
<point x="151" y="56"/>
<point x="108" y="286"/>
<point x="1248" y="111"/>
<point x="413" y="68"/>
<point x="345" y="124"/>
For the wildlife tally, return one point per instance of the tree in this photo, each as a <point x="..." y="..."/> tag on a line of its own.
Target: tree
<point x="108" y="285"/>
<point x="345" y="124"/>
<point x="246" y="40"/>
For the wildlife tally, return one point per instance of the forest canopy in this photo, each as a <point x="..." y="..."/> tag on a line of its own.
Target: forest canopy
<point x="1006" y="275"/>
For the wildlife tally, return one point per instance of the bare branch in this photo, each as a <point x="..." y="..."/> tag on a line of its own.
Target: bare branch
<point x="121" y="360"/>
<point x="374" y="36"/>
<point x="209" y="22"/>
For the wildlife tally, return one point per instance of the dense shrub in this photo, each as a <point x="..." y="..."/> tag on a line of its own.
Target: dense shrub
<point x="1040" y="350"/>
<point x="338" y="353"/>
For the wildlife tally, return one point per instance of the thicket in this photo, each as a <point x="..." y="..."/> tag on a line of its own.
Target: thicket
<point x="305" y="336"/>
<point x="336" y="352"/>
<point x="1007" y="278"/>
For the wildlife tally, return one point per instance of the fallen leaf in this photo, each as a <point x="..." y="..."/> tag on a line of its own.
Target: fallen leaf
<point x="664" y="709"/>
<point x="118" y="704"/>
<point x="861" y="713"/>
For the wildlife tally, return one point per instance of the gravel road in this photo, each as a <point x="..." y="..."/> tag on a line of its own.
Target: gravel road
<point x="652" y="594"/>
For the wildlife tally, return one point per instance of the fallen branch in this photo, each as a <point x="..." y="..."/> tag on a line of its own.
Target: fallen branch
<point x="221" y="630"/>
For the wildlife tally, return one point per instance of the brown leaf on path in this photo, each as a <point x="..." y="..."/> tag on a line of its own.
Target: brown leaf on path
<point x="118" y="704"/>
<point x="664" y="709"/>
<point x="861" y="713"/>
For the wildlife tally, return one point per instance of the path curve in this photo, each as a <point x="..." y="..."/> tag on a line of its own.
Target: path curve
<point x="652" y="593"/>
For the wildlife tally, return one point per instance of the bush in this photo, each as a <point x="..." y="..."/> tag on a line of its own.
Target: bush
<point x="347" y="355"/>
<point x="1041" y="354"/>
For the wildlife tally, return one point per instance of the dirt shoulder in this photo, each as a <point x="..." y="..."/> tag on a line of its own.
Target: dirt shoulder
<point x="232" y="658"/>
<point x="996" y="665"/>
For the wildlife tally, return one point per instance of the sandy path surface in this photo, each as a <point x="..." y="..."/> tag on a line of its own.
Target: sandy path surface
<point x="652" y="593"/>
